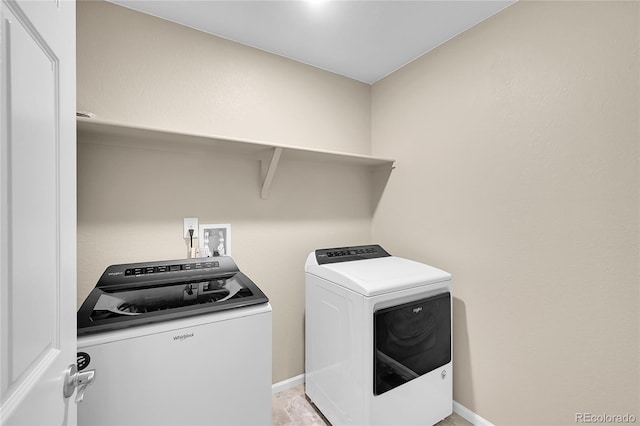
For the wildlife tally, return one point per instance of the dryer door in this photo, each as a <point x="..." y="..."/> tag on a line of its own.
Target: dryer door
<point x="410" y="340"/>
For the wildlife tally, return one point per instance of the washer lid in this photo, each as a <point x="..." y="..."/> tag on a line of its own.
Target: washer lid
<point x="371" y="277"/>
<point x="136" y="294"/>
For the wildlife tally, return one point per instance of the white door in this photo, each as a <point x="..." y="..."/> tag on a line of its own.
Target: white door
<point x="37" y="210"/>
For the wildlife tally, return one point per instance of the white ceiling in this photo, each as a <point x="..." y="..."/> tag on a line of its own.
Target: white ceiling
<point x="361" y="39"/>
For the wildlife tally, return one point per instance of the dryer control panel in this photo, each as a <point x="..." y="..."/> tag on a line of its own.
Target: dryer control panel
<point x="348" y="254"/>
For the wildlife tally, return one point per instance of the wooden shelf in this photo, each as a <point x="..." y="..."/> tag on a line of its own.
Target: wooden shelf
<point x="91" y="130"/>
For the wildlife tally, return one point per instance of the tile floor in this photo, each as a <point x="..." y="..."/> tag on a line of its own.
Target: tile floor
<point x="292" y="408"/>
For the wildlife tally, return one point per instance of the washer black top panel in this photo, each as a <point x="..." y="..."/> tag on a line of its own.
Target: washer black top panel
<point x="142" y="293"/>
<point x="153" y="273"/>
<point x="348" y="254"/>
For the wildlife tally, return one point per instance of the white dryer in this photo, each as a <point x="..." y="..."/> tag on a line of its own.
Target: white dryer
<point x="378" y="338"/>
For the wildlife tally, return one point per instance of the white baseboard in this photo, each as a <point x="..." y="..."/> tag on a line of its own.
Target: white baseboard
<point x="458" y="408"/>
<point x="469" y="415"/>
<point x="287" y="384"/>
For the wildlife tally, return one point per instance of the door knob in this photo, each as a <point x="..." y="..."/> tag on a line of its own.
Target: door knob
<point x="74" y="380"/>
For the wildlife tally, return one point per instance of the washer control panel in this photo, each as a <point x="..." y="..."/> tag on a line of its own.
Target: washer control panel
<point x="349" y="254"/>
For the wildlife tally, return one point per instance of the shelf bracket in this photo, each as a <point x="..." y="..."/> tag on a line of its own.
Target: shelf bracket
<point x="271" y="171"/>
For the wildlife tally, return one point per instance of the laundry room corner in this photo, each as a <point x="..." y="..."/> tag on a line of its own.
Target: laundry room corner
<point x="506" y="155"/>
<point x="518" y="142"/>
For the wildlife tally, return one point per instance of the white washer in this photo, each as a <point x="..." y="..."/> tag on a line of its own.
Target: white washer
<point x="179" y="342"/>
<point x="378" y="338"/>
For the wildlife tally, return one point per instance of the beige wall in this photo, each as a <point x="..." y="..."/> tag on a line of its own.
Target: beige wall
<point x="517" y="148"/>
<point x="136" y="69"/>
<point x="131" y="203"/>
<point x="517" y="171"/>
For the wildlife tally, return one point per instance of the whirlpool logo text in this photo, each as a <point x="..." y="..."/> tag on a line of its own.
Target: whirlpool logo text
<point x="182" y="337"/>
